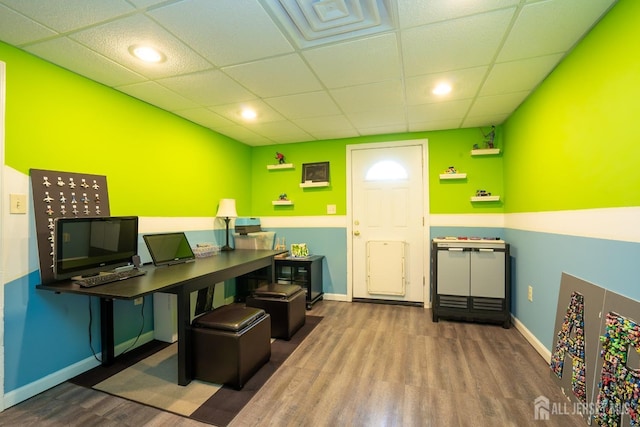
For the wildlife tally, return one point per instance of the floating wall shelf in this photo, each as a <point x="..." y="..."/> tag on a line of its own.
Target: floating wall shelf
<point x="485" y="151"/>
<point x="282" y="202"/>
<point x="280" y="166"/>
<point x="453" y="176"/>
<point x="314" y="184"/>
<point x="485" y="198"/>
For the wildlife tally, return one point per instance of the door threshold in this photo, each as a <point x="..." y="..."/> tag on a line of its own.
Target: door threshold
<point x="388" y="302"/>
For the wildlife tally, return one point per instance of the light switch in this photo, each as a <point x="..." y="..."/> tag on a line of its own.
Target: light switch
<point x="331" y="209"/>
<point x="18" y="203"/>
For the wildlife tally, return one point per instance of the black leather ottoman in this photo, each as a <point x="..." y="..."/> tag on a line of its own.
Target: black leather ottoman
<point x="285" y="304"/>
<point x="230" y="344"/>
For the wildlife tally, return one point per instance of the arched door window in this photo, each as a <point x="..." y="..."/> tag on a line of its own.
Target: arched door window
<point x="386" y="170"/>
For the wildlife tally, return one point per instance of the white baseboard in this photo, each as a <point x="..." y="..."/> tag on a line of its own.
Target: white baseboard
<point x="25" y="392"/>
<point x="537" y="345"/>
<point x="336" y="297"/>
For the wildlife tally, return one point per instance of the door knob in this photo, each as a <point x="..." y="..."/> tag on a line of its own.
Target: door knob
<point x="356" y="233"/>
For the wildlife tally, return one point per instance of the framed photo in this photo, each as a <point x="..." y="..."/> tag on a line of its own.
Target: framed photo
<point x="315" y="172"/>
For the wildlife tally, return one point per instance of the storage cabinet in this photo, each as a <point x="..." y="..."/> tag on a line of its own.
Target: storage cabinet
<point x="470" y="280"/>
<point x="306" y="272"/>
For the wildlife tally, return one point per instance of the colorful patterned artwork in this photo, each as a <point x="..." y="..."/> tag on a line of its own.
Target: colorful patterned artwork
<point x="619" y="386"/>
<point x="574" y="346"/>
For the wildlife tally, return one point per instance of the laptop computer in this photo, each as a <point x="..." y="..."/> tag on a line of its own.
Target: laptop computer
<point x="169" y="248"/>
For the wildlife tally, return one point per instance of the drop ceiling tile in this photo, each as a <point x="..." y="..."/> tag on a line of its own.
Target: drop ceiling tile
<point x="334" y="134"/>
<point x="17" y="29"/>
<point x="71" y="55"/>
<point x="114" y="39"/>
<point x="280" y="132"/>
<point x="452" y="110"/>
<point x="302" y="105"/>
<point x="434" y="125"/>
<point x="484" y="121"/>
<point x="284" y="75"/>
<point x="208" y="88"/>
<point x="391" y="116"/>
<point x="316" y="125"/>
<point x="558" y="34"/>
<point x="68" y="15"/>
<point x="225" y="32"/>
<point x="497" y="104"/>
<point x="233" y="112"/>
<point x="369" y="96"/>
<point x="357" y="62"/>
<point x="381" y="130"/>
<point x="414" y="13"/>
<point x="242" y="134"/>
<point x="464" y="84"/>
<point x="519" y="75"/>
<point x="157" y="95"/>
<point x="205" y="117"/>
<point x="456" y="44"/>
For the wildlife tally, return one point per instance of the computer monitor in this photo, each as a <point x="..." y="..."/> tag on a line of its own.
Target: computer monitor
<point x="169" y="248"/>
<point x="88" y="246"/>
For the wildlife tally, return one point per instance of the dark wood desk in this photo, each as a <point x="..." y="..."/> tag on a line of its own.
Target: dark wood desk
<point x="181" y="280"/>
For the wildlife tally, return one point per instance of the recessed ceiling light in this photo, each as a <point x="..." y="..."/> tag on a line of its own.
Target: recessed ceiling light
<point x="248" y="114"/>
<point x="146" y="53"/>
<point x="442" y="89"/>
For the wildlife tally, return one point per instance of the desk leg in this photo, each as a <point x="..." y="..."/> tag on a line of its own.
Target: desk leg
<point x="184" y="338"/>
<point x="106" y="331"/>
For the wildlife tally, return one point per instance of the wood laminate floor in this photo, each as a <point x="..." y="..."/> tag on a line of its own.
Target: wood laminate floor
<point x="363" y="365"/>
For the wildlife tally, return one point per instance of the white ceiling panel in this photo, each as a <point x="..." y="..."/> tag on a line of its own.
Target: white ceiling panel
<point x="357" y="62"/>
<point x="519" y="76"/>
<point x="312" y="104"/>
<point x="224" y="31"/>
<point x="360" y="98"/>
<point x="464" y="84"/>
<point x="565" y="21"/>
<point x="17" y="29"/>
<point x="414" y="13"/>
<point x="208" y="88"/>
<point x="155" y="94"/>
<point x="114" y="40"/>
<point x="456" y="44"/>
<point x="68" y="15"/>
<point x="73" y="56"/>
<point x="266" y="79"/>
<point x="317" y="79"/>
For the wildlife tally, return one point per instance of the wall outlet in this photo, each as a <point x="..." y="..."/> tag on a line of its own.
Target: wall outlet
<point x="530" y="293"/>
<point x="331" y="209"/>
<point x="18" y="203"/>
<point x="137" y="301"/>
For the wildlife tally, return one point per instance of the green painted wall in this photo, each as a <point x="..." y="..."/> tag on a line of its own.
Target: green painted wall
<point x="567" y="146"/>
<point x="446" y="148"/>
<point x="156" y="163"/>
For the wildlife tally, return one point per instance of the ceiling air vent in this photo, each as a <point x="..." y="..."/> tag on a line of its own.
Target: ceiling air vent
<point x="315" y="22"/>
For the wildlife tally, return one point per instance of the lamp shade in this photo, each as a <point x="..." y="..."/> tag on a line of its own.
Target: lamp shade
<point x="227" y="208"/>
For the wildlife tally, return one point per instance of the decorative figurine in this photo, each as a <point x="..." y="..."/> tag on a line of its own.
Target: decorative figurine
<point x="47" y="198"/>
<point x="95" y="185"/>
<point x="60" y="182"/>
<point x="451" y="169"/>
<point x="84" y="184"/>
<point x="72" y="184"/>
<point x="280" y="158"/>
<point x="283" y="196"/>
<point x="46" y="182"/>
<point x="488" y="138"/>
<point x="482" y="193"/>
<point x="62" y="198"/>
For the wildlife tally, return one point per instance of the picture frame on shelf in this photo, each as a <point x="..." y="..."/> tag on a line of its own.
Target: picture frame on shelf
<point x="315" y="172"/>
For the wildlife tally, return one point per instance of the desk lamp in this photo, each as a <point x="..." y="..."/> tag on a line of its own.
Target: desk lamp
<point x="227" y="210"/>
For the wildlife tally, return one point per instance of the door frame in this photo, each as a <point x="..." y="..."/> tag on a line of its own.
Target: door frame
<point x="426" y="265"/>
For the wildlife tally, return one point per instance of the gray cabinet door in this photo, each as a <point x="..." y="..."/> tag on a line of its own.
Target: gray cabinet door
<point x="453" y="272"/>
<point x="487" y="278"/>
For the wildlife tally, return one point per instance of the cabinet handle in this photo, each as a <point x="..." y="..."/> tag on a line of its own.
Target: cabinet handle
<point x="485" y="250"/>
<point x="456" y="249"/>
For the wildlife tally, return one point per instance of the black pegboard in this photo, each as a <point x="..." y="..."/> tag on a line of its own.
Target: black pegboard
<point x="63" y="195"/>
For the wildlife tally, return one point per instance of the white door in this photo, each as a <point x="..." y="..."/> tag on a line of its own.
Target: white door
<point x="387" y="221"/>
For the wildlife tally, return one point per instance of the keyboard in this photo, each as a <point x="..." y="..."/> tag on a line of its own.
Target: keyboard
<point x="103" y="279"/>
